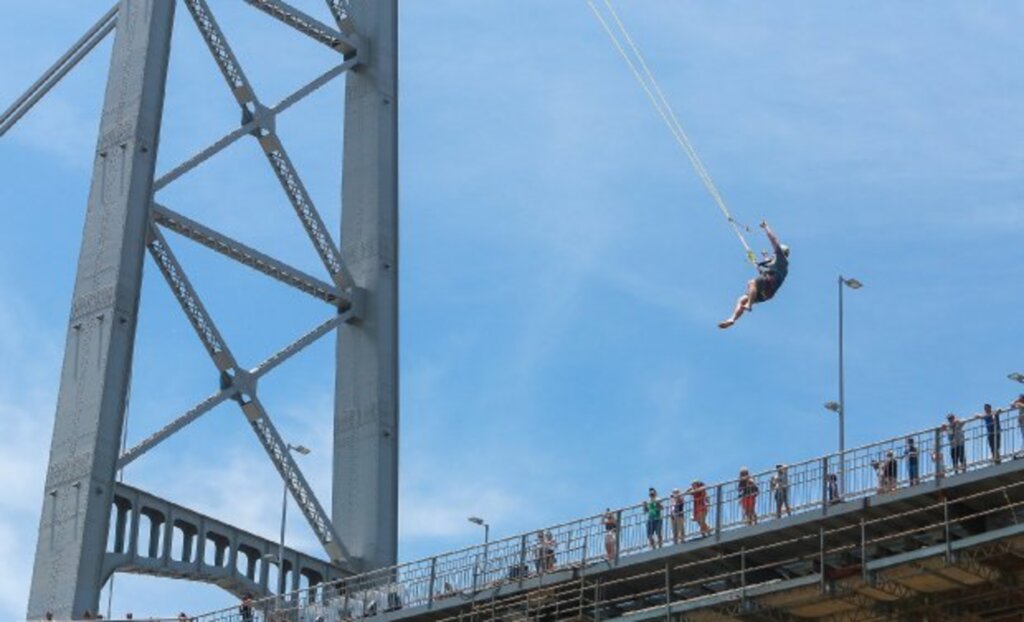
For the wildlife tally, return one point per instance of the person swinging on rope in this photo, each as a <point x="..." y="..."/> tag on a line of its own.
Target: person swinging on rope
<point x="771" y="273"/>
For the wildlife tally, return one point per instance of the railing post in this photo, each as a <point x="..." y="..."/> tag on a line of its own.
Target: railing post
<point x="937" y="459"/>
<point x="522" y="571"/>
<point x="824" y="485"/>
<point x="433" y="578"/>
<point x="718" y="512"/>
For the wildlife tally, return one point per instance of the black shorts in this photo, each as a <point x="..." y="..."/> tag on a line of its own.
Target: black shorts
<point x="765" y="286"/>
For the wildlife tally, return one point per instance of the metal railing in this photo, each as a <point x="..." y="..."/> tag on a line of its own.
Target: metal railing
<point x="875" y="469"/>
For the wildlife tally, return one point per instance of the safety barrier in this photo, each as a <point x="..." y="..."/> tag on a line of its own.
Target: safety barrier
<point x="875" y="469"/>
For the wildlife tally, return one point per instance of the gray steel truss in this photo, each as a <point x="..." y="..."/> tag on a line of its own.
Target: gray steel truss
<point x="67" y="575"/>
<point x="82" y="501"/>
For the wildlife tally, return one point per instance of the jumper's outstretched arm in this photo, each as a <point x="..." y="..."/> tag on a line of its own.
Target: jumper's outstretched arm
<point x="772" y="237"/>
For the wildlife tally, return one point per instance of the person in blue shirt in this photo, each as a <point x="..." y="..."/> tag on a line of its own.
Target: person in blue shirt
<point x="771" y="273"/>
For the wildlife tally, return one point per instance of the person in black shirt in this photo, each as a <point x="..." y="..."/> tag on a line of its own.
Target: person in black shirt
<point x="245" y="609"/>
<point x="771" y="273"/>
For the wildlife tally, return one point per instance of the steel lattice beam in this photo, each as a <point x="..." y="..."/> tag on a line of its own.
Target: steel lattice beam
<point x="245" y="394"/>
<point x="276" y="155"/>
<point x="307" y="25"/>
<point x="190" y="302"/>
<point x="339" y="9"/>
<point x="246" y="255"/>
<point x="250" y="126"/>
<point x="230" y="390"/>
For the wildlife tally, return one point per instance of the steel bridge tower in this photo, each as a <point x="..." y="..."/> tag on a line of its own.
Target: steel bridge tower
<point x="82" y="500"/>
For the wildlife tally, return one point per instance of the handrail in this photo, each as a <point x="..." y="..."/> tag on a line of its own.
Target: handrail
<point x="580" y="542"/>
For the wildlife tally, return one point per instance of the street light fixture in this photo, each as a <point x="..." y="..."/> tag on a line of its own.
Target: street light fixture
<point x="840" y="407"/>
<point x="305" y="451"/>
<point x="476" y="520"/>
<point x="833" y="406"/>
<point x="1017" y="376"/>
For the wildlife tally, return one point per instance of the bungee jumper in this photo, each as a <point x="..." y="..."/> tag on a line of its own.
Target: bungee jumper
<point x="771" y="273"/>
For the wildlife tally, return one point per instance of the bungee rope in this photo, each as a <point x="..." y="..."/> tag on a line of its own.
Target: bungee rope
<point x="650" y="86"/>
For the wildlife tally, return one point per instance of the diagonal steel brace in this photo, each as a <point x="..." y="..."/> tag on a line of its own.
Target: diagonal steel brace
<point x="253" y="110"/>
<point x="244" y="385"/>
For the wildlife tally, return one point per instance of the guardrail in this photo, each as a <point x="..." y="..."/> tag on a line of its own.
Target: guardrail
<point x="875" y="469"/>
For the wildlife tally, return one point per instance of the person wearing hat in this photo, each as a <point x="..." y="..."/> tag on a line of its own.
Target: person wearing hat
<point x="771" y="273"/>
<point x="676" y="505"/>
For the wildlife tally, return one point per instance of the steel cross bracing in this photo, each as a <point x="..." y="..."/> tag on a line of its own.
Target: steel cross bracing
<point x="253" y="110"/>
<point x="245" y="394"/>
<point x="131" y="52"/>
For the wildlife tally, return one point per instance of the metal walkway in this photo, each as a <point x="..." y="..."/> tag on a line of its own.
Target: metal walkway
<point x="883" y="547"/>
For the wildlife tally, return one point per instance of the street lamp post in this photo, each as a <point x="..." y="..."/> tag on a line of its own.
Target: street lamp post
<point x="299" y="449"/>
<point x="840" y="408"/>
<point x="476" y="520"/>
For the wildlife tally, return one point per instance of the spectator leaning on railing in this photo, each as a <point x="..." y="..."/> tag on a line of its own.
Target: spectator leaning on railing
<point x="700" y="506"/>
<point x="611" y="533"/>
<point x="911" y="455"/>
<point x="780" y="490"/>
<point x="245" y="609"/>
<point x="748" y="490"/>
<point x="955" y="432"/>
<point x="652" y="510"/>
<point x="992" y="432"/>
<point x="676" y="510"/>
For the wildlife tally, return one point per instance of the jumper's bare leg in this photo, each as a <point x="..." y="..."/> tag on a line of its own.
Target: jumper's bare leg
<point x="745" y="303"/>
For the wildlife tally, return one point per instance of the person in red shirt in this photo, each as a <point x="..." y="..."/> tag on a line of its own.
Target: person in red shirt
<point x="700" y="506"/>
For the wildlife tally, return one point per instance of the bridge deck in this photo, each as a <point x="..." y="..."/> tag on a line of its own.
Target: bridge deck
<point x="892" y="537"/>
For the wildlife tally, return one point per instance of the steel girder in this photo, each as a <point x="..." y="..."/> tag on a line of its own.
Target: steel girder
<point x="366" y="409"/>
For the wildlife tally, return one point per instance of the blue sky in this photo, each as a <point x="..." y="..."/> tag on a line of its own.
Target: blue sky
<point x="562" y="269"/>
